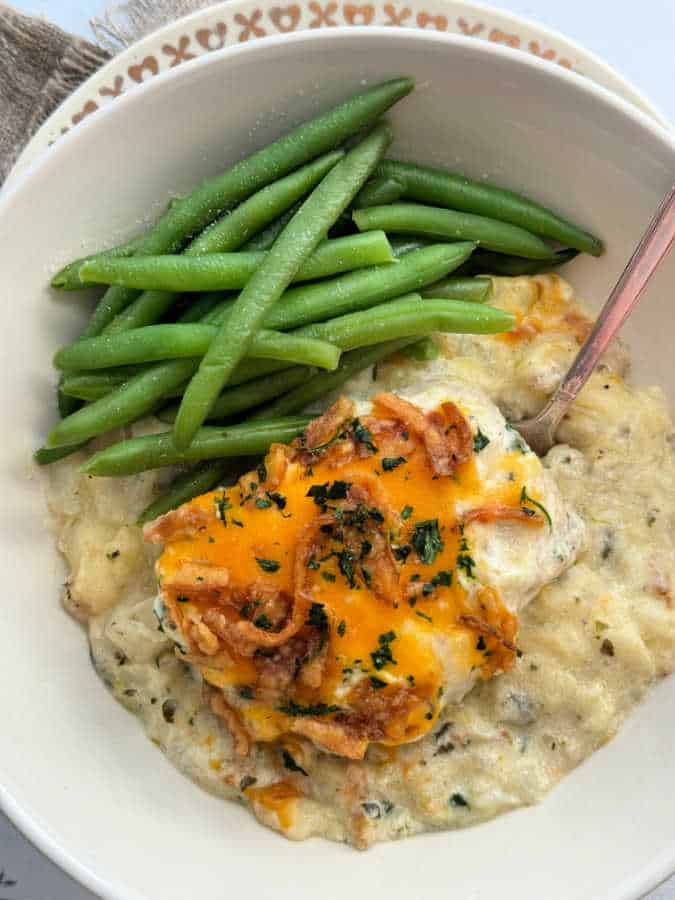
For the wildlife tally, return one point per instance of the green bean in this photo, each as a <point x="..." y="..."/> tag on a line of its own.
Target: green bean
<point x="157" y="342"/>
<point x="47" y="455"/>
<point x="499" y="264"/>
<point x="211" y="442"/>
<point x="300" y="306"/>
<point x="124" y="405"/>
<point x="192" y="483"/>
<point x="233" y="400"/>
<point x="442" y="188"/>
<point x="92" y="385"/>
<point x="293" y="246"/>
<point x="317" y="387"/>
<point x="413" y="218"/>
<point x="407" y="317"/>
<point x="402" y="244"/>
<point x="476" y="290"/>
<point x="377" y="192"/>
<point x="366" y="288"/>
<point x="264" y="239"/>
<point x="68" y="278"/>
<point x="228" y="234"/>
<point x="230" y="271"/>
<point x="236" y="227"/>
<point x="189" y="215"/>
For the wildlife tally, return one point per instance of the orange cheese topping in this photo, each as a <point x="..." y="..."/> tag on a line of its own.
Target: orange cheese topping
<point x="279" y="798"/>
<point x="382" y="656"/>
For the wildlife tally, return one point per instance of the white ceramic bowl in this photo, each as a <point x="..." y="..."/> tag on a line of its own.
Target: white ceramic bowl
<point x="76" y="773"/>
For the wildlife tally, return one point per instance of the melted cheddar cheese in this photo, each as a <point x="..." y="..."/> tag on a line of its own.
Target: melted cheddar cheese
<point x="338" y="591"/>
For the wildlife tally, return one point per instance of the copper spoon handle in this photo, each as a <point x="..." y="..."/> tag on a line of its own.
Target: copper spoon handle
<point x="647" y="257"/>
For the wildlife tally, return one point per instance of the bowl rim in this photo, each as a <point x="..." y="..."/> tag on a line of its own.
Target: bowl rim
<point x="31" y="826"/>
<point x="146" y="43"/>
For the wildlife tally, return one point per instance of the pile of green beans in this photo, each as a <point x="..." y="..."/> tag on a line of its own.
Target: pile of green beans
<point x="413" y="250"/>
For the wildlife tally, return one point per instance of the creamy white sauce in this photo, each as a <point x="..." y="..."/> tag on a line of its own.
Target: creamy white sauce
<point x="593" y="640"/>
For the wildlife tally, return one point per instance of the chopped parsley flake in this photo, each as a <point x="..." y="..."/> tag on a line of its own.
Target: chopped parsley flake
<point x="406" y="512"/>
<point x="312" y="563"/>
<point x="458" y="800"/>
<point x="377" y="683"/>
<point x="328" y="576"/>
<point x="383" y="655"/>
<point x="246" y="692"/>
<point x="342" y="628"/>
<point x="346" y="565"/>
<point x="291" y="708"/>
<point x="263" y="622"/>
<point x="278" y="499"/>
<point x="261" y="469"/>
<point x="364" y="436"/>
<point x="222" y="505"/>
<point x="322" y="493"/>
<point x="525" y="498"/>
<point x="480" y="441"/>
<point x="392" y="462"/>
<point x="464" y="560"/>
<point x="444" y="578"/>
<point x="427" y="541"/>
<point x="262" y="503"/>
<point x="182" y="599"/>
<point x="423" y="615"/>
<point x="268" y="565"/>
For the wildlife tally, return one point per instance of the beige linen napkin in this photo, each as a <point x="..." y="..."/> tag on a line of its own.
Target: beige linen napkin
<point x="40" y="65"/>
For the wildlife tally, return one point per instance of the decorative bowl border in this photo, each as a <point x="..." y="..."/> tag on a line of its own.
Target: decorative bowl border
<point x="237" y="21"/>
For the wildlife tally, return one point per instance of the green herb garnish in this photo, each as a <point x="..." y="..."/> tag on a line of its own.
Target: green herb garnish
<point x="383" y="655"/>
<point x="427" y="541"/>
<point x="364" y="436"/>
<point x="525" y="498"/>
<point x="480" y="441"/>
<point x="392" y="462"/>
<point x="291" y="708"/>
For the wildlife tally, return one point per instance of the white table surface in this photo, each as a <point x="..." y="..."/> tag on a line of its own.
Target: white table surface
<point x="637" y="39"/>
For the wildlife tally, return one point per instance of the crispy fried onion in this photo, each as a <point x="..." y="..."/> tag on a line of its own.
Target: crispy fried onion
<point x="445" y="433"/>
<point x="177" y="525"/>
<point x="267" y="477"/>
<point x="264" y="617"/>
<point x="356" y="531"/>
<point x="375" y="715"/>
<point x="240" y="736"/>
<point x="334" y="737"/>
<point x="489" y="617"/>
<point x="197" y="577"/>
<point x="321" y="430"/>
<point x="498" y="512"/>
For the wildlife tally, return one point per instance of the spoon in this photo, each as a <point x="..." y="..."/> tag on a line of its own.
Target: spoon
<point x="539" y="431"/>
